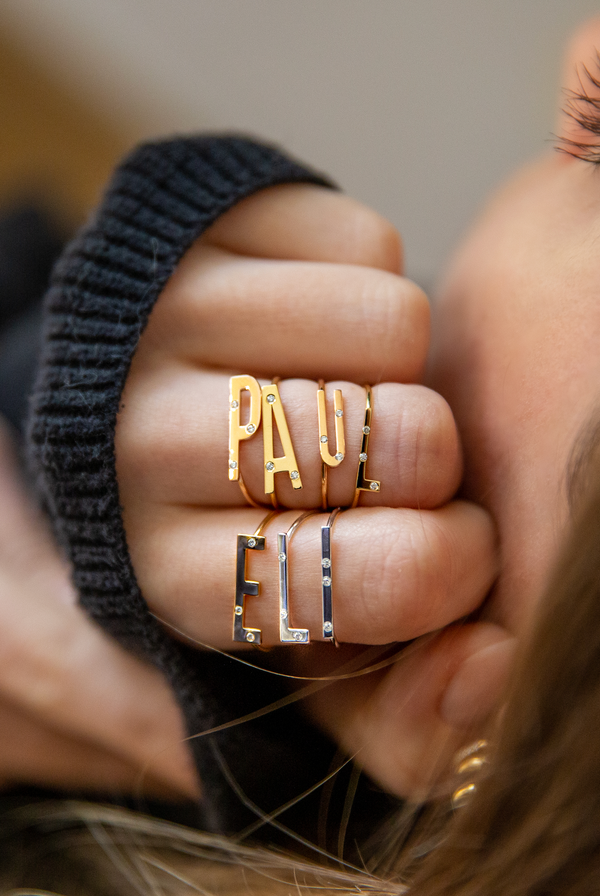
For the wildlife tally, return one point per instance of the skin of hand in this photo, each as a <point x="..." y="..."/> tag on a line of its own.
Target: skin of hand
<point x="516" y="351"/>
<point x="303" y="283"/>
<point x="76" y="711"/>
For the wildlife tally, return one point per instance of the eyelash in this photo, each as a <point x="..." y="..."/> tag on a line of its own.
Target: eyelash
<point x="584" y="110"/>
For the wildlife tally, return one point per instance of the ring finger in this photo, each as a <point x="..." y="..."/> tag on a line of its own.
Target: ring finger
<point x="394" y="574"/>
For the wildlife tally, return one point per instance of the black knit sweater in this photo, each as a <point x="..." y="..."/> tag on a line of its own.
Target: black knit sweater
<point x="103" y="288"/>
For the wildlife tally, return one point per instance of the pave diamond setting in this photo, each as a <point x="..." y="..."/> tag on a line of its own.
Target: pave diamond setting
<point x="233" y="464"/>
<point x="270" y="466"/>
<point x="252" y="542"/>
<point x="327" y="581"/>
<point x="366" y="430"/>
<point x="271" y="398"/>
<point x="362" y="457"/>
<point x="294" y="474"/>
<point x="251" y="428"/>
<point x="326" y="563"/>
<point x="374" y="486"/>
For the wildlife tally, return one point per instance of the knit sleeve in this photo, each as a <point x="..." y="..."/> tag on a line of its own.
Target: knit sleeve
<point x="159" y="201"/>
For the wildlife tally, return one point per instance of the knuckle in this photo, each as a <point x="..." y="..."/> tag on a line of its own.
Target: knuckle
<point x="416" y="565"/>
<point x="373" y="240"/>
<point x="396" y="324"/>
<point x="431" y="446"/>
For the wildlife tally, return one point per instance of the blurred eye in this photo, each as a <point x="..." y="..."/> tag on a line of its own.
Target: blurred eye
<point x="581" y="137"/>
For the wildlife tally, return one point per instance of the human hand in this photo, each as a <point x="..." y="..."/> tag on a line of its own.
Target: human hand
<point x="304" y="283"/>
<point x="76" y="711"/>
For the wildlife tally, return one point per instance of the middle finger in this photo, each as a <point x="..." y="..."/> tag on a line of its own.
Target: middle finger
<point x="172" y="443"/>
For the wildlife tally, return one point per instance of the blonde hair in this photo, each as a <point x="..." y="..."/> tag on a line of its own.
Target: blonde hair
<point x="532" y="828"/>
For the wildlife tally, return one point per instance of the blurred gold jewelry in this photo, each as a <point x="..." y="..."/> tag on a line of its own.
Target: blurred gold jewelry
<point x="328" y="459"/>
<point x="468" y="760"/>
<point x="255" y="542"/>
<point x="289" y="635"/>
<point x="287" y="463"/>
<point x="362" y="483"/>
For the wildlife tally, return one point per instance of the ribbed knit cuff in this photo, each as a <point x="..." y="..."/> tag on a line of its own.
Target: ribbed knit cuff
<point x="103" y="288"/>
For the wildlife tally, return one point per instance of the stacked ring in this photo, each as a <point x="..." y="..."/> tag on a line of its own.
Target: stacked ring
<point x="363" y="484"/>
<point x="328" y="459"/>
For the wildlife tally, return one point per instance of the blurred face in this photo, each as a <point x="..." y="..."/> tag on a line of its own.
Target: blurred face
<point x="517" y="348"/>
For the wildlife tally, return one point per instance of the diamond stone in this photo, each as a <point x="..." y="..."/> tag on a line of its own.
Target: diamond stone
<point x="281" y="557"/>
<point x="362" y="457"/>
<point x="235" y="404"/>
<point x="324" y="439"/>
<point x="233" y="464"/>
<point x="327" y="580"/>
<point x="339" y="456"/>
<point x="238" y="611"/>
<point x="374" y="486"/>
<point x="294" y="474"/>
<point x="271" y="398"/>
<point x="326" y="563"/>
<point x="366" y="430"/>
<point x="327" y="627"/>
<point x="252" y="542"/>
<point x="298" y="636"/>
<point x="250" y="636"/>
<point x="339" y="413"/>
<point x="251" y="428"/>
<point x="283" y="614"/>
<point x="270" y="466"/>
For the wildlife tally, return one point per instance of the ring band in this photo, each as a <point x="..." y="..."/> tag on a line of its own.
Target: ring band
<point x="243" y="587"/>
<point x="363" y="484"/>
<point x="327" y="576"/>
<point x="249" y="497"/>
<point x="289" y="635"/>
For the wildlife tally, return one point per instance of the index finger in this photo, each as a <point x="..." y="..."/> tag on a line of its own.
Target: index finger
<point x="290" y="318"/>
<point x="304" y="222"/>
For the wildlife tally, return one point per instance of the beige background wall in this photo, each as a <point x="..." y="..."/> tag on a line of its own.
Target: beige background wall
<point x="415" y="106"/>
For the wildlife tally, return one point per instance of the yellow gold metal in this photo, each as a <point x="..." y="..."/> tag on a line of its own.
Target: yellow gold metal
<point x="470" y="750"/>
<point x="237" y="432"/>
<point x="362" y="483"/>
<point x="287" y="463"/>
<point x="462" y="796"/>
<point x="328" y="459"/>
<point x="469" y="759"/>
<point x="332" y="460"/>
<point x="244" y="586"/>
<point x="247" y="494"/>
<point x="471" y="764"/>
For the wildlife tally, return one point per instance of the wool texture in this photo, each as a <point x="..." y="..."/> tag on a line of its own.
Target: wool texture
<point x="102" y="291"/>
<point x="103" y="288"/>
